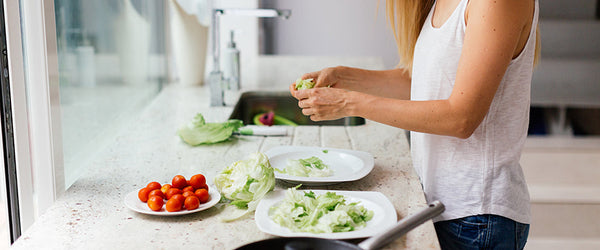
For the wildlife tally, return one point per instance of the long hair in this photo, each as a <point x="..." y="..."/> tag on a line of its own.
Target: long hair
<point x="407" y="17"/>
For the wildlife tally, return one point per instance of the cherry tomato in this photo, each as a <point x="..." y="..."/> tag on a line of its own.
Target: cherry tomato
<point x="202" y="195"/>
<point x="179" y="182"/>
<point x="155" y="202"/>
<point x="153" y="185"/>
<point x="204" y="187"/>
<point x="188" y="193"/>
<point x="191" y="202"/>
<point x="172" y="191"/>
<point x="165" y="187"/>
<point x="197" y="181"/>
<point x="143" y="194"/>
<point x="188" y="188"/>
<point x="179" y="197"/>
<point x="157" y="192"/>
<point x="174" y="205"/>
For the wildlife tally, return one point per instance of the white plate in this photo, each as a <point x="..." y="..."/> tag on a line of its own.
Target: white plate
<point x="134" y="203"/>
<point x="384" y="215"/>
<point x="347" y="165"/>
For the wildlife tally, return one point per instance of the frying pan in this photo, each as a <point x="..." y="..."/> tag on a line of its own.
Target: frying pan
<point x="378" y="241"/>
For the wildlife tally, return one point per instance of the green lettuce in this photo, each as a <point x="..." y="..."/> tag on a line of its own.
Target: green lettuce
<point x="309" y="167"/>
<point x="305" y="84"/>
<point x="200" y="132"/>
<point x="326" y="213"/>
<point x="244" y="183"/>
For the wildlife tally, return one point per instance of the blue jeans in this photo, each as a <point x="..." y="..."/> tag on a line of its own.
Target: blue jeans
<point x="486" y="231"/>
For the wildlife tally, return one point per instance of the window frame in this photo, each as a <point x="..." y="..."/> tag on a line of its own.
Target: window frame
<point x="33" y="67"/>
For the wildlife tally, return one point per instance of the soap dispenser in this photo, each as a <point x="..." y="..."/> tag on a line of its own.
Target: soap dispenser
<point x="231" y="64"/>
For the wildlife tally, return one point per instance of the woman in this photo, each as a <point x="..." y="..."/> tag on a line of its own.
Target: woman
<point x="463" y="91"/>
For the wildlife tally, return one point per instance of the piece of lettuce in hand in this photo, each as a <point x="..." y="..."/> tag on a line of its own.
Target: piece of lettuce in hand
<point x="200" y="132"/>
<point x="326" y="213"/>
<point x="304" y="84"/>
<point x="244" y="183"/>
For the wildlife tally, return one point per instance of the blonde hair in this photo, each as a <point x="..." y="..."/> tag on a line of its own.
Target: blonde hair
<point x="407" y="17"/>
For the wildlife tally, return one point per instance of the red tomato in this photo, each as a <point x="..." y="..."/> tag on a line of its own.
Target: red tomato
<point x="153" y="185"/>
<point x="155" y="202"/>
<point x="174" y="205"/>
<point x="179" y="197"/>
<point x="172" y="191"/>
<point x="143" y="194"/>
<point x="191" y="202"/>
<point x="156" y="192"/>
<point x="188" y="188"/>
<point x="164" y="188"/>
<point x="179" y="182"/>
<point x="198" y="181"/>
<point x="202" y="195"/>
<point x="188" y="193"/>
<point x="204" y="187"/>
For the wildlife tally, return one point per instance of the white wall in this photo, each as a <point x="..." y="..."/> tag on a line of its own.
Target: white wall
<point x="334" y="28"/>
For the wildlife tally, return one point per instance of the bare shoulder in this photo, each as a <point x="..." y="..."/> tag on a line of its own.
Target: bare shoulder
<point x="513" y="12"/>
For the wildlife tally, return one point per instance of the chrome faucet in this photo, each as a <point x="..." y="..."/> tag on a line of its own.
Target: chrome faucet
<point x="216" y="79"/>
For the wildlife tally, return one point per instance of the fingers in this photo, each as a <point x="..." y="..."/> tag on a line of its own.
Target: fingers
<point x="326" y="78"/>
<point x="302" y="94"/>
<point x="293" y="90"/>
<point x="311" y="114"/>
<point x="313" y="75"/>
<point x="304" y="103"/>
<point x="321" y="82"/>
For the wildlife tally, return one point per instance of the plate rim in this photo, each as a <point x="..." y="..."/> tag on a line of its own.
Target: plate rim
<point x="262" y="218"/>
<point x="366" y="157"/>
<point x="215" y="197"/>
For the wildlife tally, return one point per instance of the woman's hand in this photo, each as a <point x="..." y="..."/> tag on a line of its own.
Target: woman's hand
<point x="327" y="77"/>
<point x="323" y="103"/>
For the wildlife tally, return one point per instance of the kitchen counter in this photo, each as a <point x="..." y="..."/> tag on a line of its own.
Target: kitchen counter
<point x="91" y="214"/>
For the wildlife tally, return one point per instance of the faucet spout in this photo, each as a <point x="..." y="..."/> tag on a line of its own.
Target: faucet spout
<point x="216" y="75"/>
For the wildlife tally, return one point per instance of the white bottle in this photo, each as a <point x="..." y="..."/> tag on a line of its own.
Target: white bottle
<point x="230" y="63"/>
<point x="86" y="64"/>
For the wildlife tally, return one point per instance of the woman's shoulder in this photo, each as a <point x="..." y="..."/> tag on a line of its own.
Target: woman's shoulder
<point x="519" y="11"/>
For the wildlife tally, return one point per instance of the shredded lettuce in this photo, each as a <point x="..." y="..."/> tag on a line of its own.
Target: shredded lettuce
<point x="302" y="211"/>
<point x="309" y="167"/>
<point x="199" y="132"/>
<point x="244" y="183"/>
<point x="305" y="84"/>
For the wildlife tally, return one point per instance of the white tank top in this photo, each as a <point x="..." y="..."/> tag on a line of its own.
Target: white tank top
<point x="481" y="174"/>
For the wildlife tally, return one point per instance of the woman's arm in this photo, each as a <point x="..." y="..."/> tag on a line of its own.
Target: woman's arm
<point x="394" y="83"/>
<point x="493" y="32"/>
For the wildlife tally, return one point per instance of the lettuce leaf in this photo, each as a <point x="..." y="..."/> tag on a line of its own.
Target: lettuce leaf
<point x="200" y="132"/>
<point x="326" y="213"/>
<point x="309" y="167"/>
<point x="305" y="84"/>
<point x="244" y="183"/>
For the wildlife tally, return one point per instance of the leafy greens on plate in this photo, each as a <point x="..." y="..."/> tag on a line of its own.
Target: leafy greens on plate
<point x="309" y="167"/>
<point x="302" y="211"/>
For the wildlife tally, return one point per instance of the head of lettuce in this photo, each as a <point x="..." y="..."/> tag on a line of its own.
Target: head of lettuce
<point x="244" y="183"/>
<point x="200" y="132"/>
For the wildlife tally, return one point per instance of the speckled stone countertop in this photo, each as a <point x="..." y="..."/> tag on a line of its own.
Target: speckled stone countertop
<point x="92" y="215"/>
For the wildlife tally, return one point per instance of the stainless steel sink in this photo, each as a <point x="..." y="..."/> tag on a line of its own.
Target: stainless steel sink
<point x="283" y="104"/>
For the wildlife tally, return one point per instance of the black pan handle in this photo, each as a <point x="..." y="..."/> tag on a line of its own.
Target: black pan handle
<point x="403" y="226"/>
